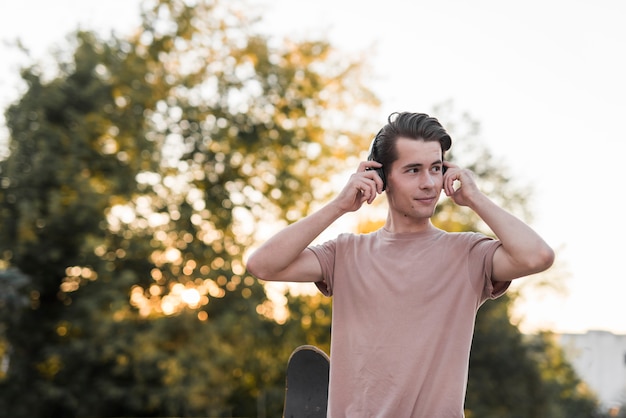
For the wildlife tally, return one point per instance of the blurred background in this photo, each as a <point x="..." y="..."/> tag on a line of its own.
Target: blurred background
<point x="146" y="147"/>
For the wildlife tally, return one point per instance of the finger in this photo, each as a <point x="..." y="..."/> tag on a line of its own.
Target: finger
<point x="448" y="190"/>
<point x="449" y="183"/>
<point x="368" y="188"/>
<point x="368" y="165"/>
<point x="378" y="182"/>
<point x="367" y="194"/>
<point x="373" y="177"/>
<point x="445" y="186"/>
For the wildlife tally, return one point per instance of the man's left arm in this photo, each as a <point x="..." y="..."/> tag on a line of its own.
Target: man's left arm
<point x="523" y="252"/>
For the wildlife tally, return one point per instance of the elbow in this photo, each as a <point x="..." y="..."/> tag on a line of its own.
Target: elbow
<point x="543" y="259"/>
<point x="254" y="266"/>
<point x="547" y="256"/>
<point x="524" y="263"/>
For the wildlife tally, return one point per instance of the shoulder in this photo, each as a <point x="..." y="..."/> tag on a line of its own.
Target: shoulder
<point x="470" y="241"/>
<point x="352" y="237"/>
<point x="469" y="237"/>
<point x="343" y="242"/>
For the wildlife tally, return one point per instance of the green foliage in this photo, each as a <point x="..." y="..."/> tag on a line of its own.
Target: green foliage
<point x="512" y="375"/>
<point x="13" y="301"/>
<point x="310" y="320"/>
<point x="504" y="380"/>
<point x="134" y="178"/>
<point x="568" y="395"/>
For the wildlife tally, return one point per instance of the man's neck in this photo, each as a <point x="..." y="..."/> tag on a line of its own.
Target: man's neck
<point x="405" y="224"/>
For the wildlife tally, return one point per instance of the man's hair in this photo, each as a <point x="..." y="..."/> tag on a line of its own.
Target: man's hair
<point x="407" y="125"/>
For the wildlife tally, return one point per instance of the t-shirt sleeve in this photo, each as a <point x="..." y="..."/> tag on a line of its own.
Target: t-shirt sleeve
<point x="325" y="254"/>
<point x="481" y="264"/>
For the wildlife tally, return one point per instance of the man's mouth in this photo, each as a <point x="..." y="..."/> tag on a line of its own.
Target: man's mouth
<point x="426" y="200"/>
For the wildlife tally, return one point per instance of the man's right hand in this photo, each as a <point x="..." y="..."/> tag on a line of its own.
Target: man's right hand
<point x="363" y="186"/>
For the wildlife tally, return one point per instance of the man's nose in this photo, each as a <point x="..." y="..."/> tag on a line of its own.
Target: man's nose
<point x="427" y="181"/>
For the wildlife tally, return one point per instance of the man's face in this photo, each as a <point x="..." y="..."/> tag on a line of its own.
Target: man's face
<point x="415" y="179"/>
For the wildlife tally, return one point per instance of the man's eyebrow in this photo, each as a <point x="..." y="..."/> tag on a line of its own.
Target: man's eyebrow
<point x="418" y="165"/>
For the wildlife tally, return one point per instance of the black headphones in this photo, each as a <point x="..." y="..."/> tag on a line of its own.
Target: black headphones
<point x="372" y="157"/>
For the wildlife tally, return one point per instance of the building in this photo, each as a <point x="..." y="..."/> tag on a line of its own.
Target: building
<point x="599" y="358"/>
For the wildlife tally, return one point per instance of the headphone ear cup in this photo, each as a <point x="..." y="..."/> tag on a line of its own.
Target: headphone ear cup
<point x="379" y="171"/>
<point x="372" y="157"/>
<point x="381" y="174"/>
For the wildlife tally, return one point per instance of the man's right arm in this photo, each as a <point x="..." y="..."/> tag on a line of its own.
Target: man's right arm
<point x="283" y="257"/>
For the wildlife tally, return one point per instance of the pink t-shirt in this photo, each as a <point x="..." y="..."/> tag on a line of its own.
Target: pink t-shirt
<point x="404" y="307"/>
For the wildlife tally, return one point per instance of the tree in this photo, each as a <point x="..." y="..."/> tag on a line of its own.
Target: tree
<point x="63" y="171"/>
<point x="134" y="177"/>
<point x="568" y="395"/>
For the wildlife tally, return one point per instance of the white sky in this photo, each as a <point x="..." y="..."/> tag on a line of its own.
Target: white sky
<point x="546" y="79"/>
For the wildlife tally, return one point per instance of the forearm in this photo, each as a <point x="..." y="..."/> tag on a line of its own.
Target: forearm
<point x="280" y="251"/>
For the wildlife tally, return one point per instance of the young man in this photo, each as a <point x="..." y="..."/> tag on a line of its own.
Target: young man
<point x="405" y="297"/>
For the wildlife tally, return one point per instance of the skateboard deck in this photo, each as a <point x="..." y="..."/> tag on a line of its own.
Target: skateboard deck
<point x="306" y="393"/>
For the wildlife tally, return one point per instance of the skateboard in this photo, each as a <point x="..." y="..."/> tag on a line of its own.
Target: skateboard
<point x="306" y="390"/>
